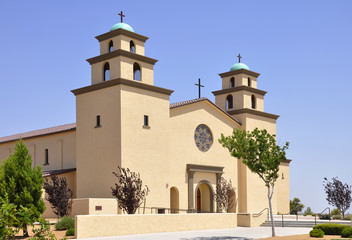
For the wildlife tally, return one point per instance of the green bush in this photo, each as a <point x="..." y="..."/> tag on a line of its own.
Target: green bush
<point x="336" y="217"/>
<point x="65" y="223"/>
<point x="70" y="232"/>
<point x="346" y="233"/>
<point x="43" y="232"/>
<point x="324" y="216"/>
<point x="336" y="211"/>
<point x="318" y="233"/>
<point x="347" y="218"/>
<point x="331" y="228"/>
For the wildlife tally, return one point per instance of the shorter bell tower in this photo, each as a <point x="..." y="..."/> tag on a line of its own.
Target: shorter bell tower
<point x="241" y="98"/>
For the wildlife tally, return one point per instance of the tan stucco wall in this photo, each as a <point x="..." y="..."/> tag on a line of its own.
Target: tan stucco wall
<point x="240" y="80"/>
<point x="87" y="206"/>
<point x="241" y="99"/>
<point x="283" y="189"/>
<point x="122" y="67"/>
<point x="122" y="42"/>
<point x="61" y="148"/>
<point x="250" y="220"/>
<point x="114" y="225"/>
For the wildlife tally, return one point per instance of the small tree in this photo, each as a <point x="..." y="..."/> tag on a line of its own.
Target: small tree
<point x="59" y="195"/>
<point x="338" y="194"/>
<point x="22" y="185"/>
<point x="258" y="150"/>
<point x="225" y="195"/>
<point x="296" y="206"/>
<point x="308" y="211"/>
<point x="128" y="190"/>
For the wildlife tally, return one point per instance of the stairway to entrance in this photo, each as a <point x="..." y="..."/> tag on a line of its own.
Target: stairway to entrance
<point x="301" y="223"/>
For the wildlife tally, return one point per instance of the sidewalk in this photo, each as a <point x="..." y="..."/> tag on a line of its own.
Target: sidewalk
<point x="239" y="233"/>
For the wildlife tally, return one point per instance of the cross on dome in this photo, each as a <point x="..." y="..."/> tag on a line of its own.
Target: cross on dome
<point x="239" y="58"/>
<point x="122" y="16"/>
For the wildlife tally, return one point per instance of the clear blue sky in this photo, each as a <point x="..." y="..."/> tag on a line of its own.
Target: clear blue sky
<point x="301" y="48"/>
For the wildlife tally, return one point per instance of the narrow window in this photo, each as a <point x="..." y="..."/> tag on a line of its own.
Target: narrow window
<point x="106" y="71"/>
<point x="249" y="82"/>
<point x="132" y="47"/>
<point x="253" y="102"/>
<point x="136" y="72"/>
<point x="46" y="157"/>
<point x="146" y="121"/>
<point x="232" y="82"/>
<point x="229" y="102"/>
<point x="98" y="121"/>
<point x="111" y="46"/>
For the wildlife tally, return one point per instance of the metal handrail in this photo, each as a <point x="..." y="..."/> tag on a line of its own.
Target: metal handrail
<point x="261" y="212"/>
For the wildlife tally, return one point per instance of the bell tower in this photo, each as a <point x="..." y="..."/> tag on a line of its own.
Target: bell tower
<point x="122" y="56"/>
<point x="241" y="98"/>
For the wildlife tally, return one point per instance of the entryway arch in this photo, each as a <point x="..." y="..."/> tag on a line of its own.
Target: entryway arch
<point x="204" y="197"/>
<point x="174" y="200"/>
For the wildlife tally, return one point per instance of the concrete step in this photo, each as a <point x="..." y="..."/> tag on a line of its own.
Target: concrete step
<point x="300" y="223"/>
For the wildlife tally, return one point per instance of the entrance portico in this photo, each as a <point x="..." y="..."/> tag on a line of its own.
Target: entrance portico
<point x="203" y="194"/>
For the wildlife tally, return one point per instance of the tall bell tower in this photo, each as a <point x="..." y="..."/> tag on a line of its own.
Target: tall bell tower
<point x="241" y="98"/>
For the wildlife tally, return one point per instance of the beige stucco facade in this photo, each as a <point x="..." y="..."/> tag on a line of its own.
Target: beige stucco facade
<point x="131" y="124"/>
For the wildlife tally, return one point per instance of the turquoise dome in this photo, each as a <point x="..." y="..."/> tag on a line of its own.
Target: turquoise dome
<point x="123" y="26"/>
<point x="238" y="66"/>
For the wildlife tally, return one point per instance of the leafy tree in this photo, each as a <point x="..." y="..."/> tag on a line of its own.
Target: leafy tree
<point x="259" y="151"/>
<point x="225" y="195"/>
<point x="296" y="206"/>
<point x="308" y="211"/>
<point x="128" y="190"/>
<point x="22" y="185"/>
<point x="338" y="194"/>
<point x="336" y="212"/>
<point x="59" y="195"/>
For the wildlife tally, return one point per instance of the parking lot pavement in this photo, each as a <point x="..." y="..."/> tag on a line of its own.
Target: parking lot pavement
<point x="239" y="233"/>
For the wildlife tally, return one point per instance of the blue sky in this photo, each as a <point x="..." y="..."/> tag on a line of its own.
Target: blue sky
<point x="301" y="48"/>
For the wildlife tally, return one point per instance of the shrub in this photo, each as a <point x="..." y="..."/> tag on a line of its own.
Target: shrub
<point x="336" y="211"/>
<point x="336" y="217"/>
<point x="65" y="223"/>
<point x="347" y="218"/>
<point x="346" y="233"/>
<point x="318" y="233"/>
<point x="324" y="216"/>
<point x="43" y="233"/>
<point x="70" y="232"/>
<point x="308" y="211"/>
<point x="331" y="228"/>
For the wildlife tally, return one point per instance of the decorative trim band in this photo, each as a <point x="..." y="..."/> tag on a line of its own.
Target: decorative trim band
<point x="121" y="81"/>
<point x="254" y="112"/>
<point x="121" y="31"/>
<point x="239" y="88"/>
<point x="203" y="168"/>
<point x="245" y="71"/>
<point x="118" y="53"/>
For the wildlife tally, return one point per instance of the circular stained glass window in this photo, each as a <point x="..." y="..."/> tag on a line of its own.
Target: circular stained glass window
<point x="203" y="137"/>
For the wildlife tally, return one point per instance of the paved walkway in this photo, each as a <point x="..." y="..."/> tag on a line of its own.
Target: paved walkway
<point x="239" y="233"/>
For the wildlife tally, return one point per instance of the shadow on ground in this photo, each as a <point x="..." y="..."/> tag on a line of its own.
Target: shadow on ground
<point x="217" y="238"/>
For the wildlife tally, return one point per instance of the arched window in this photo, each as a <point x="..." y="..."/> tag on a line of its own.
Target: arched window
<point x="253" y="101"/>
<point x="136" y="72"/>
<point x="249" y="82"/>
<point x="106" y="71"/>
<point x="132" y="47"/>
<point x="229" y="102"/>
<point x="232" y="82"/>
<point x="111" y="46"/>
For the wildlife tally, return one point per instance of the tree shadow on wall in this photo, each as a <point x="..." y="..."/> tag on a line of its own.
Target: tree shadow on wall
<point x="217" y="238"/>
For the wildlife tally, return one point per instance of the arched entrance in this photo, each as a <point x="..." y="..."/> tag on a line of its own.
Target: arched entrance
<point x="174" y="200"/>
<point x="204" y="197"/>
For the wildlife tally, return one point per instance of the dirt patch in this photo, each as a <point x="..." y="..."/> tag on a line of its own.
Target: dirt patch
<point x="58" y="234"/>
<point x="303" y="237"/>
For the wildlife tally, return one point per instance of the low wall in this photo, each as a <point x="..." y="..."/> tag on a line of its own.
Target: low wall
<point x="114" y="225"/>
<point x="48" y="213"/>
<point x="250" y="220"/>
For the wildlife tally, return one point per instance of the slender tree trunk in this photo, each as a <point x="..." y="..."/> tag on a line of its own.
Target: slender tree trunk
<point x="25" y="230"/>
<point x="271" y="210"/>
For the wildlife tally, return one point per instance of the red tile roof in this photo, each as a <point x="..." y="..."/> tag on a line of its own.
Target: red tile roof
<point x="184" y="103"/>
<point x="72" y="126"/>
<point x="41" y="132"/>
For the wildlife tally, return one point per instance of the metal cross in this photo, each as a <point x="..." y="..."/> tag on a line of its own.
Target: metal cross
<point x="239" y="58"/>
<point x="121" y="14"/>
<point x="199" y="86"/>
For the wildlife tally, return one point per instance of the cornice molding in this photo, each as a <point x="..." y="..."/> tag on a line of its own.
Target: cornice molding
<point x="254" y="112"/>
<point x="240" y="88"/>
<point x="121" y="31"/>
<point x="239" y="71"/>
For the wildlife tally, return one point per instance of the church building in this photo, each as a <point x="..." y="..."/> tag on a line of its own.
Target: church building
<point x="123" y="119"/>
